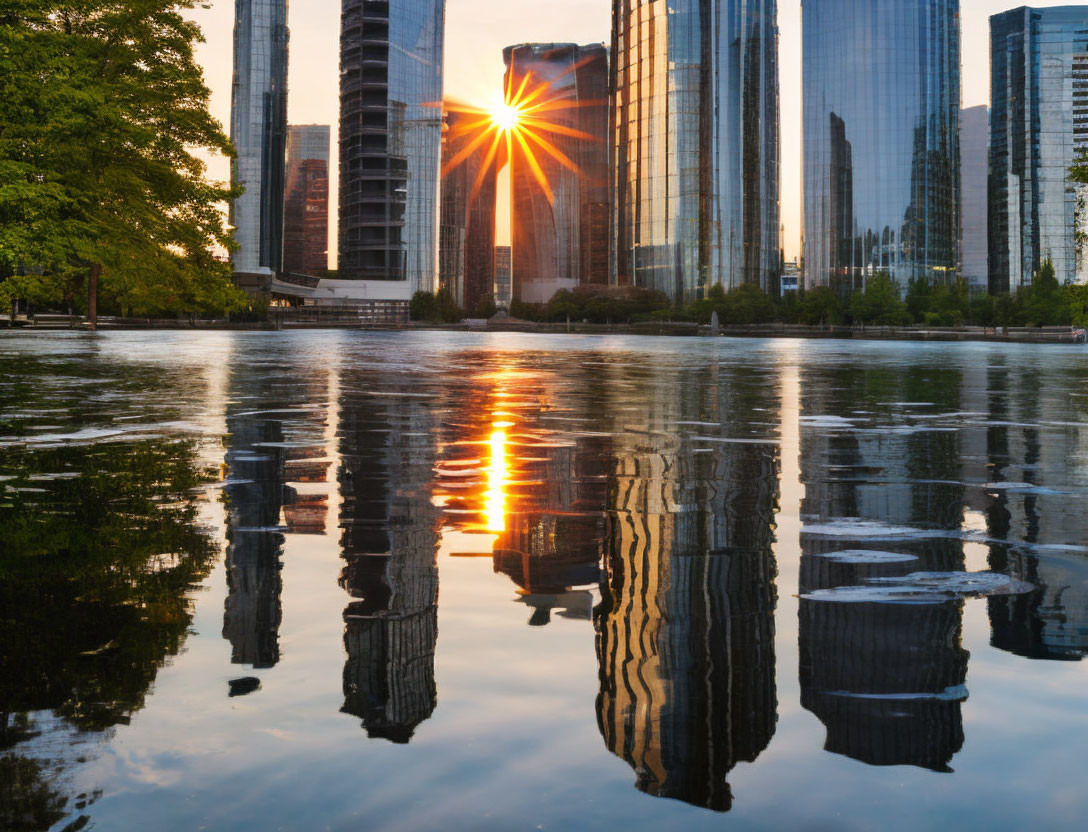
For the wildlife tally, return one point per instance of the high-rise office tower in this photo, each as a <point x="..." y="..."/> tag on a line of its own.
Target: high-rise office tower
<point x="390" y="140"/>
<point x="466" y="252"/>
<point x="306" y="205"/>
<point x="881" y="91"/>
<point x="559" y="240"/>
<point x="1039" y="92"/>
<point x="502" y="276"/>
<point x="974" y="178"/>
<point x="258" y="129"/>
<point x="696" y="144"/>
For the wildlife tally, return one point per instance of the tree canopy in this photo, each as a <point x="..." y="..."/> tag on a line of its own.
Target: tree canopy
<point x="103" y="117"/>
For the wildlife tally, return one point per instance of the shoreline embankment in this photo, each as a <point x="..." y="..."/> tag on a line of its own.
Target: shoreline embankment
<point x="277" y="323"/>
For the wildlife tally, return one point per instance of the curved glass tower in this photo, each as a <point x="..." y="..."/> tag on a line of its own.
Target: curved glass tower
<point x="258" y="128"/>
<point x="695" y="144"/>
<point x="881" y="139"/>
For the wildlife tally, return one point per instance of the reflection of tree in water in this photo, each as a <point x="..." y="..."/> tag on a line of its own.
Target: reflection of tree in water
<point x="685" y="628"/>
<point x="101" y="552"/>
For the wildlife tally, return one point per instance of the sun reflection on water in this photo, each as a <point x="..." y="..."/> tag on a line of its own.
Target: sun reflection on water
<point x="498" y="475"/>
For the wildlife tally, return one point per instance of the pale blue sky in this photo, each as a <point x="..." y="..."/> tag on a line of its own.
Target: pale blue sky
<point x="477" y="31"/>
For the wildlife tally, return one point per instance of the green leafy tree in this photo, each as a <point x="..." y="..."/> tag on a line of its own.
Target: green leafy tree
<point x="103" y="110"/>
<point x="1077" y="300"/>
<point x="982" y="310"/>
<point x="422" y="307"/>
<point x="446" y="308"/>
<point x="565" y="306"/>
<point x="879" y="303"/>
<point x="1044" y="302"/>
<point x="485" y="308"/>
<point x="919" y="298"/>
<point x="821" y="307"/>
<point x="747" y="304"/>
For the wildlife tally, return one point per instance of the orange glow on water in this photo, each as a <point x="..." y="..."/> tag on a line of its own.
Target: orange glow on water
<point x="498" y="476"/>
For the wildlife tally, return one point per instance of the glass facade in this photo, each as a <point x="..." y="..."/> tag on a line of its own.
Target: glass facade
<point x="390" y="139"/>
<point x="881" y="94"/>
<point x="695" y="144"/>
<point x="258" y="129"/>
<point x="502" y="276"/>
<point x="306" y="205"/>
<point x="466" y="253"/>
<point x="560" y="240"/>
<point x="1039" y="63"/>
<point x="974" y="178"/>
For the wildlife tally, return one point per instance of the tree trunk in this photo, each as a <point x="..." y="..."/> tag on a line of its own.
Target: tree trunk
<point x="92" y="297"/>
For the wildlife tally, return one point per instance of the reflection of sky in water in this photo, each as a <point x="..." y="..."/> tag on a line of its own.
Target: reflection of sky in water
<point x="565" y="467"/>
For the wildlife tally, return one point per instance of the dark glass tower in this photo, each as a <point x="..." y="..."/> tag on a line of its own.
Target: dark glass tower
<point x="1039" y="78"/>
<point x="390" y="139"/>
<point x="258" y="129"/>
<point x="881" y="139"/>
<point x="559" y="240"/>
<point x="695" y="144"/>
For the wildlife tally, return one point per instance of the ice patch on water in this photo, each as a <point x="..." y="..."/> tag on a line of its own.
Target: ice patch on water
<point x="924" y="588"/>
<point x="862" y="556"/>
<point x="1020" y="488"/>
<point x="723" y="441"/>
<point x="956" y="693"/>
<point x="827" y="422"/>
<point x="855" y="527"/>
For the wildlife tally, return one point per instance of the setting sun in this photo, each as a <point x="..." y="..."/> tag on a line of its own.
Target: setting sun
<point x="526" y="122"/>
<point x="506" y="116"/>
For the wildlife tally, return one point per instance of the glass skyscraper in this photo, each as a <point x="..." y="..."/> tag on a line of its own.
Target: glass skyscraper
<point x="559" y="240"/>
<point x="258" y="129"/>
<point x="974" y="189"/>
<point x="881" y="91"/>
<point x="390" y="139"/>
<point x="695" y="144"/>
<point x="466" y="251"/>
<point x="1039" y="62"/>
<point x="306" y="204"/>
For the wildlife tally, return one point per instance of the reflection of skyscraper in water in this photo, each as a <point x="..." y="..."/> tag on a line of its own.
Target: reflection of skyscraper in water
<point x="257" y="492"/>
<point x="551" y="546"/>
<point x="1028" y="504"/>
<point x="268" y="446"/>
<point x="389" y="545"/>
<point x="886" y="679"/>
<point x="685" y="628"/>
<point x="520" y="479"/>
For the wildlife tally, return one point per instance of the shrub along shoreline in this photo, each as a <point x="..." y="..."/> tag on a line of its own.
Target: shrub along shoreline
<point x="1043" y="304"/>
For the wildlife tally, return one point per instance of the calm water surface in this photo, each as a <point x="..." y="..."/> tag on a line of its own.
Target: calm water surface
<point x="355" y="581"/>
